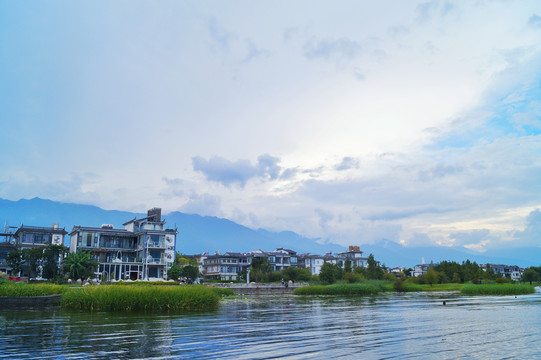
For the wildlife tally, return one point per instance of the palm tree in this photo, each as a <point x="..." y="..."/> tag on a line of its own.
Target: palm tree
<point x="79" y="265"/>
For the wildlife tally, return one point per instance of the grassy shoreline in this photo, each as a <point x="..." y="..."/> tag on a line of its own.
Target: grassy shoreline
<point x="377" y="287"/>
<point x="190" y="298"/>
<point x="124" y="298"/>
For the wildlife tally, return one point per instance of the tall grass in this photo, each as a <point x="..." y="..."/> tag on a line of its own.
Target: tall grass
<point x="339" y="289"/>
<point x="497" y="289"/>
<point x="9" y="288"/>
<point x="223" y="291"/>
<point x="141" y="298"/>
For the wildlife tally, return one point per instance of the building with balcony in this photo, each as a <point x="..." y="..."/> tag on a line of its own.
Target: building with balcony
<point x="143" y="250"/>
<point x="224" y="267"/>
<point x="28" y="237"/>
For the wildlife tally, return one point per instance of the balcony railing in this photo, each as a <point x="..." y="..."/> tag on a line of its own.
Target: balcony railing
<point x="156" y="261"/>
<point x="156" y="244"/>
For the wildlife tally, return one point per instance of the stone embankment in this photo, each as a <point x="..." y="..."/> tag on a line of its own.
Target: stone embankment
<point x="259" y="289"/>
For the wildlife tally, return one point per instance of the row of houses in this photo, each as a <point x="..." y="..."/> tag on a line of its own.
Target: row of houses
<point x="512" y="272"/>
<point x="229" y="265"/>
<point x="145" y="250"/>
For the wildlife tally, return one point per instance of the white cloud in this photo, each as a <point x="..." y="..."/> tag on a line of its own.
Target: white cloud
<point x="407" y="121"/>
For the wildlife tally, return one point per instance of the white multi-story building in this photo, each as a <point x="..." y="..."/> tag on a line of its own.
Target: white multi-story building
<point x="143" y="250"/>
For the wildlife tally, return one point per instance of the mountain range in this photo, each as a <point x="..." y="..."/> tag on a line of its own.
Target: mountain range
<point x="197" y="234"/>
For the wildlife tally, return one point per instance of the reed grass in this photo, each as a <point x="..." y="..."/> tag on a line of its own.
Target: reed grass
<point x="223" y="291"/>
<point x="412" y="287"/>
<point x="16" y="289"/>
<point x="497" y="289"/>
<point x="339" y="289"/>
<point x="141" y="298"/>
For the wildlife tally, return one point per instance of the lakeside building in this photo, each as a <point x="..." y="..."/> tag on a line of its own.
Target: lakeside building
<point x="420" y="270"/>
<point x="228" y="266"/>
<point x="315" y="262"/>
<point x="355" y="255"/>
<point x="512" y="272"/>
<point x="28" y="237"/>
<point x="143" y="250"/>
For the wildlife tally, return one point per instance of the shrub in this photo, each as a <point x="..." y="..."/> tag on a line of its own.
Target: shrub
<point x="10" y="288"/>
<point x="352" y="277"/>
<point x="497" y="289"/>
<point x="339" y="289"/>
<point x="141" y="298"/>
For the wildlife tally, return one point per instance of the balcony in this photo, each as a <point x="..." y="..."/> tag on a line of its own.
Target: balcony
<point x="156" y="245"/>
<point x="155" y="261"/>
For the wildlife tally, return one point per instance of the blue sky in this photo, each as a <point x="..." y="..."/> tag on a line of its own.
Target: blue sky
<point x="351" y="121"/>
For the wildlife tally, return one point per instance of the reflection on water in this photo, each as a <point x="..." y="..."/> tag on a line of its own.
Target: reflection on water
<point x="389" y="326"/>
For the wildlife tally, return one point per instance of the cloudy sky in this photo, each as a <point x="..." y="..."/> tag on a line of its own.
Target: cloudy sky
<point x="348" y="121"/>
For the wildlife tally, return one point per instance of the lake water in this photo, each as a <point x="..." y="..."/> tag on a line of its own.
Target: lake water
<point x="267" y="327"/>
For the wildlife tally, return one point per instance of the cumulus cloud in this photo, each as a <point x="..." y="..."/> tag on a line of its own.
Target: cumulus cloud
<point x="227" y="172"/>
<point x="203" y="204"/>
<point x="347" y="163"/>
<point x="531" y="235"/>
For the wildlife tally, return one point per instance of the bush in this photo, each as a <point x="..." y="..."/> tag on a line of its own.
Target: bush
<point x="497" y="289"/>
<point x="352" y="277"/>
<point x="223" y="291"/>
<point x="10" y="288"/>
<point x="339" y="289"/>
<point x="141" y="298"/>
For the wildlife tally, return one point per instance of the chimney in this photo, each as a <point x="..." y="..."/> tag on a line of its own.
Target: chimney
<point x="155" y="214"/>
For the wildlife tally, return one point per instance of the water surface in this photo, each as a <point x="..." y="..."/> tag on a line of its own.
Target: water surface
<point x="266" y="327"/>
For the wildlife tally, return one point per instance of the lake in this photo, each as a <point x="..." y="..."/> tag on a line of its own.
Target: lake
<point x="388" y="326"/>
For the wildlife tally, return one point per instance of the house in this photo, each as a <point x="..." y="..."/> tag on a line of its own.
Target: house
<point x="355" y="255"/>
<point x="224" y="267"/>
<point x="28" y="237"/>
<point x="419" y="270"/>
<point x="7" y="244"/>
<point x="279" y="259"/>
<point x="143" y="250"/>
<point x="512" y="272"/>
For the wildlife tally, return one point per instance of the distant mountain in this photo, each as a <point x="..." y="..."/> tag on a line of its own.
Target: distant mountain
<point x="393" y="254"/>
<point x="198" y="234"/>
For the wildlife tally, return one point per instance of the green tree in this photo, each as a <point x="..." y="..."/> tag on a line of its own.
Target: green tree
<point x="79" y="265"/>
<point x="490" y="275"/>
<point x="260" y="267"/>
<point x="347" y="266"/>
<point x="373" y="269"/>
<point x="52" y="255"/>
<point x="456" y="278"/>
<point x="431" y="276"/>
<point x="34" y="258"/>
<point x="15" y="260"/>
<point x="175" y="272"/>
<point x="327" y="274"/>
<point x="190" y="272"/>
<point x="530" y="275"/>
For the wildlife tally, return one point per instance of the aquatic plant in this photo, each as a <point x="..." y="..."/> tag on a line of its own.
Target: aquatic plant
<point x="339" y="289"/>
<point x="141" y="298"/>
<point x="497" y="289"/>
<point x="10" y="288"/>
<point x="223" y="291"/>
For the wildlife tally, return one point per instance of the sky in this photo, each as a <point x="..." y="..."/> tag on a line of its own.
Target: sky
<point x="347" y="121"/>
